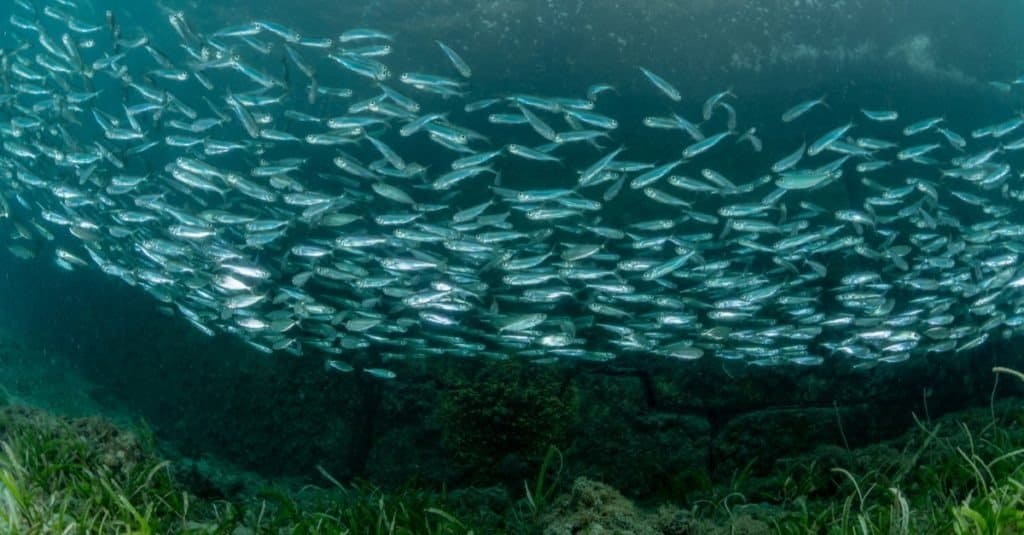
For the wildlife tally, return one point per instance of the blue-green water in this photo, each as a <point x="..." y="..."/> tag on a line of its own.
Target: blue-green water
<point x="286" y="412"/>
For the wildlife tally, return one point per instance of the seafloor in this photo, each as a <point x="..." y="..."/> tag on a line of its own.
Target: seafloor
<point x="272" y="446"/>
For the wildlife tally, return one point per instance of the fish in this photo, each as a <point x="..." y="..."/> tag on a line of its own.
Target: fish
<point x="827" y="139"/>
<point x="461" y="221"/>
<point x="881" y="116"/>
<point x="705" y="145"/>
<point x="802" y="179"/>
<point x="380" y="373"/>
<point x="529" y="153"/>
<point x="655" y="174"/>
<point x="787" y="162"/>
<point x="922" y="126"/>
<point x="666" y="88"/>
<point x="954" y="139"/>
<point x="916" y="151"/>
<point x="709" y="105"/>
<point x="460" y="64"/>
<point x="797" y="111"/>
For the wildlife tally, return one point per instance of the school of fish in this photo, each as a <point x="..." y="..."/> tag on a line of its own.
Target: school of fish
<point x="299" y="194"/>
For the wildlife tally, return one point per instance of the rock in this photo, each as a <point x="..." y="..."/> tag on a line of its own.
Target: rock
<point x="667" y="452"/>
<point x="767" y="435"/>
<point x="593" y="508"/>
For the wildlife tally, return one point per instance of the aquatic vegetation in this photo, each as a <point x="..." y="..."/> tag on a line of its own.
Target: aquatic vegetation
<point x="527" y="515"/>
<point x="84" y="476"/>
<point x="88" y="476"/>
<point x="361" y="508"/>
<point x="959" y="474"/>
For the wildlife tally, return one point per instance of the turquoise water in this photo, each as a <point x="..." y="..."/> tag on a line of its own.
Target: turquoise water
<point x="286" y="412"/>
